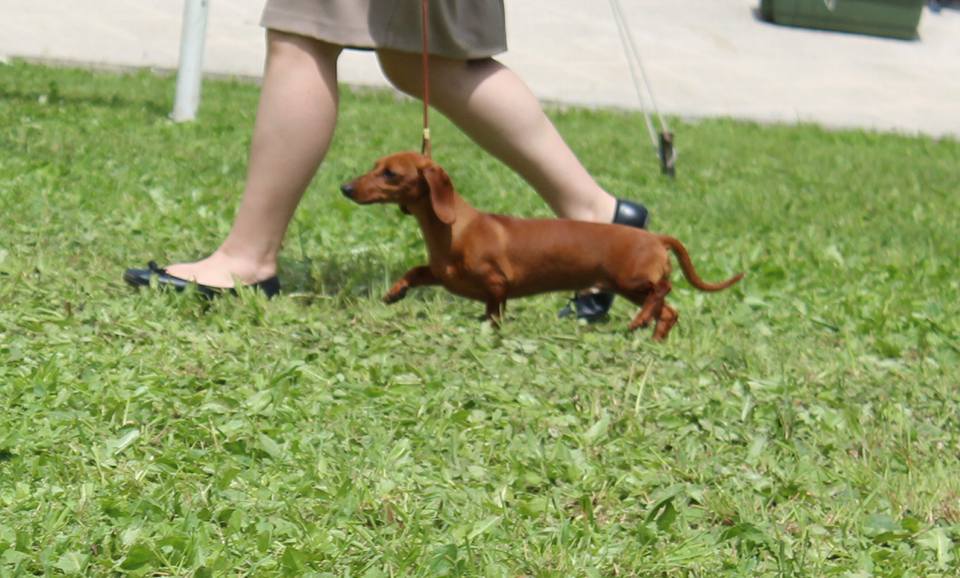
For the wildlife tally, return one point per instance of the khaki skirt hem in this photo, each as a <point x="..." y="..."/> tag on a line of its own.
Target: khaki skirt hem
<point x="457" y="29"/>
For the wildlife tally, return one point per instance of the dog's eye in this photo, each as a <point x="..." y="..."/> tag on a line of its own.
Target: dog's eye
<point x="388" y="174"/>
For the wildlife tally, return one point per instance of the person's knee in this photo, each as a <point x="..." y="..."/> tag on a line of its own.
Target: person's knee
<point x="402" y="70"/>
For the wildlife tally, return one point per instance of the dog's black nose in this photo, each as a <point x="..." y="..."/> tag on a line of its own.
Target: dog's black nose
<point x="347" y="190"/>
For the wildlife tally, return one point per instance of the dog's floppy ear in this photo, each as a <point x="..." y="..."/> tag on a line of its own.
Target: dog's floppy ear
<point x="441" y="193"/>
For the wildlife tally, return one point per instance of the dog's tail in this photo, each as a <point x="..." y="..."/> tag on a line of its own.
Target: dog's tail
<point x="689" y="272"/>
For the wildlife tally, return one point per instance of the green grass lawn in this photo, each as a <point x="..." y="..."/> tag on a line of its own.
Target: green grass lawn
<point x="803" y="423"/>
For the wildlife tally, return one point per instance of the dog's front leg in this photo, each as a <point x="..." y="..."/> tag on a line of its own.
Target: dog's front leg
<point x="496" y="299"/>
<point x="416" y="277"/>
<point x="495" y="310"/>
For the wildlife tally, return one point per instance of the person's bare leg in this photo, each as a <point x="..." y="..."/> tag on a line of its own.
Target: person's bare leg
<point x="496" y="109"/>
<point x="294" y="126"/>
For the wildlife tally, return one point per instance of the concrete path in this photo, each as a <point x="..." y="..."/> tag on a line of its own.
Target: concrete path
<point x="703" y="57"/>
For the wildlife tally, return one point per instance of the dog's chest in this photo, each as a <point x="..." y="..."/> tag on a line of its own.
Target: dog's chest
<point x="458" y="277"/>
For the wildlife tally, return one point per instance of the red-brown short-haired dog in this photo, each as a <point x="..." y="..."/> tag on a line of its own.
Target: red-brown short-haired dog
<point x="492" y="258"/>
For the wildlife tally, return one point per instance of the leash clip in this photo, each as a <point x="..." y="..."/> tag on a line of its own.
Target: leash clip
<point x="425" y="148"/>
<point x="667" y="154"/>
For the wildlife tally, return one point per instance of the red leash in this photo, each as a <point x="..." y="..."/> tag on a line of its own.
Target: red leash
<point x="425" y="148"/>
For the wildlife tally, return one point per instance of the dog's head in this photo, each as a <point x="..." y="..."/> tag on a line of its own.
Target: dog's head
<point x="408" y="179"/>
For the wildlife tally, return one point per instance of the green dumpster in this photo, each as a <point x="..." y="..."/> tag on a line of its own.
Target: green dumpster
<point x="896" y="18"/>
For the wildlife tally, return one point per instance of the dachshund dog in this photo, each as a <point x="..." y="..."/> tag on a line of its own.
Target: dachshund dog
<point x="493" y="258"/>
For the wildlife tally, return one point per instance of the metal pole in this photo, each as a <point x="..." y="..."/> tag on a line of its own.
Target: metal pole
<point x="190" y="72"/>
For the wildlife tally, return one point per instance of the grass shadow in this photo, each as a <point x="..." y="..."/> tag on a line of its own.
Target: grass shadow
<point x="358" y="275"/>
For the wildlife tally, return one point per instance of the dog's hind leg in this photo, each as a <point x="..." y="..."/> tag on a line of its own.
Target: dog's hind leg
<point x="665" y="321"/>
<point x="651" y="301"/>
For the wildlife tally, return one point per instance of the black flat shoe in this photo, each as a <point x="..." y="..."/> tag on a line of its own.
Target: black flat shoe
<point x="141" y="278"/>
<point x="591" y="307"/>
<point x="594" y="306"/>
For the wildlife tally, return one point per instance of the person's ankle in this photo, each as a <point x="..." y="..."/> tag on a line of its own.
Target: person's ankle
<point x="602" y="211"/>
